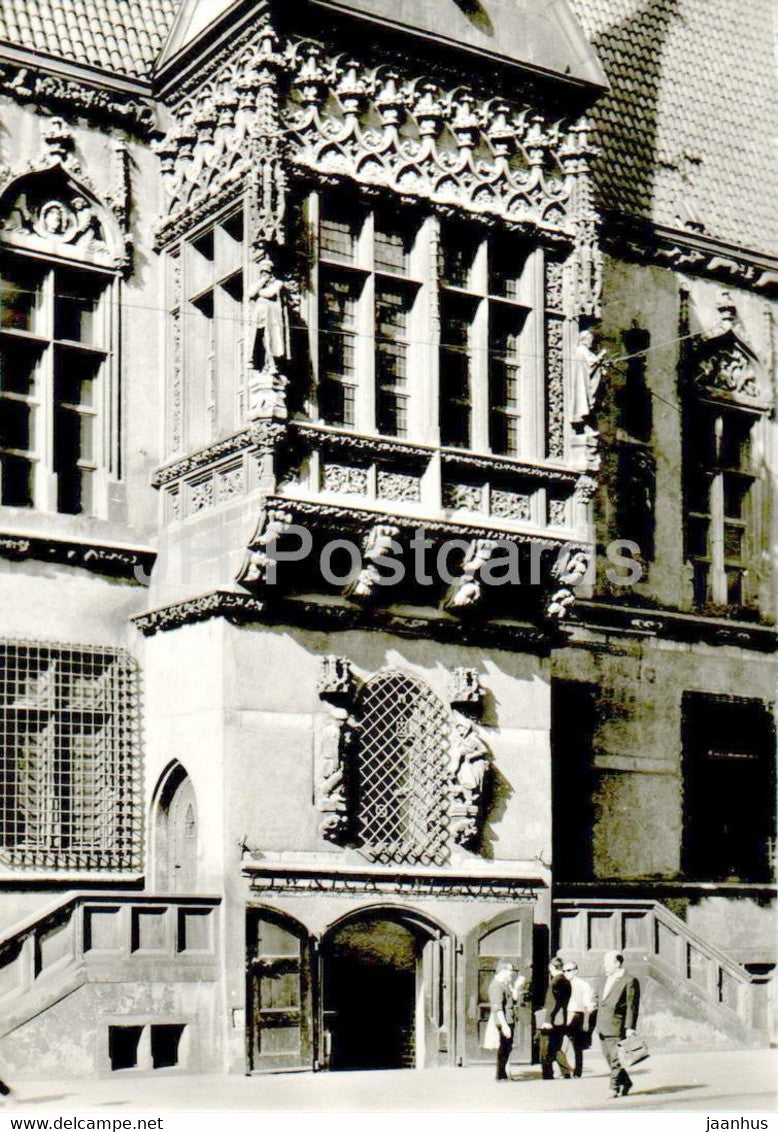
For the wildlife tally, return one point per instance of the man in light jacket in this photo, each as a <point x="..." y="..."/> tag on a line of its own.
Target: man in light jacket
<point x="617" y="1017"/>
<point x="504" y="990"/>
<point x="582" y="1004"/>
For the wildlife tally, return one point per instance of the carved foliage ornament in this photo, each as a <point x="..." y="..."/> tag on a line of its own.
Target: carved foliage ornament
<point x="226" y="135"/>
<point x="384" y="127"/>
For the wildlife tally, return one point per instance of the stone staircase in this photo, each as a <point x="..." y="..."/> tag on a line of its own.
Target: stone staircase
<point x="94" y="983"/>
<point x="693" y="995"/>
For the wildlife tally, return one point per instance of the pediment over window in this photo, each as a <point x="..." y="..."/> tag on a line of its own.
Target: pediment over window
<point x="49" y="211"/>
<point x="725" y="366"/>
<point x="728" y="367"/>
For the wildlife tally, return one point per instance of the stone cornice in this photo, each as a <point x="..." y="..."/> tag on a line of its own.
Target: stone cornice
<point x="115" y="559"/>
<point x="223" y="449"/>
<point x="345" y="517"/>
<point x="334" y="616"/>
<point x="76" y="90"/>
<point x="693" y="253"/>
<point x="687" y="627"/>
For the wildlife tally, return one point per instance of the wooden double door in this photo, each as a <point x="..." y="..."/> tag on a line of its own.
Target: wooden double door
<point x="378" y="992"/>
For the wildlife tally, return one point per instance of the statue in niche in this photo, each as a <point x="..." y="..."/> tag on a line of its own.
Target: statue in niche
<point x="272" y="342"/>
<point x="272" y="347"/>
<point x="588" y="368"/>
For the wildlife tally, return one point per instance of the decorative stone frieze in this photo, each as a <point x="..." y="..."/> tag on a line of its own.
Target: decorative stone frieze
<point x="398" y="486"/>
<point x="233" y="606"/>
<point x="344" y="478"/>
<point x="27" y="85"/>
<point x="555" y="388"/>
<point x="510" y="504"/>
<point x="384" y="126"/>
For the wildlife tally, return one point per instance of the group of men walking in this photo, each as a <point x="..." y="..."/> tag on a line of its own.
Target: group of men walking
<point x="571" y="1010"/>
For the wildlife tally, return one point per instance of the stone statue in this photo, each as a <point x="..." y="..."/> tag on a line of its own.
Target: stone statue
<point x="272" y="342"/>
<point x="588" y="367"/>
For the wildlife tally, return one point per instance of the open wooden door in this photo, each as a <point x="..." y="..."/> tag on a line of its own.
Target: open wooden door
<point x="507" y="936"/>
<point x="279" y="993"/>
<point x="436" y="1021"/>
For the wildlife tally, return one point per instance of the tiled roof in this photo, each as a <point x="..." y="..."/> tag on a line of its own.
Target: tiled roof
<point x="688" y="130"/>
<point x="123" y="36"/>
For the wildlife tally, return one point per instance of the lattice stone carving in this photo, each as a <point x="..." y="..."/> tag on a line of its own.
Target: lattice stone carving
<point x="399" y="486"/>
<point x="70" y="757"/>
<point x="468" y="768"/>
<point x="510" y="504"/>
<point x="384" y="126"/>
<point x="345" y="478"/>
<point x="403" y="772"/>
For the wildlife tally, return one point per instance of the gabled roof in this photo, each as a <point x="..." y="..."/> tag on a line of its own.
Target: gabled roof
<point x="192" y="18"/>
<point x="120" y="36"/>
<point x="541" y="34"/>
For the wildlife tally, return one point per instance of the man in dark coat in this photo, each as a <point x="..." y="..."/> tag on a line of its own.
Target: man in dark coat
<point x="553" y="1028"/>
<point x="617" y="1017"/>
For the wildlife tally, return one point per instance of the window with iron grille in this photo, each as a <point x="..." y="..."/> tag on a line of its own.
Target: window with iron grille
<point x="70" y="790"/>
<point x="401" y="771"/>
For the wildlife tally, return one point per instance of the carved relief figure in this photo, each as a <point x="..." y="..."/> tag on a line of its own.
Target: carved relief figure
<point x="468" y="767"/>
<point x="272" y="342"/>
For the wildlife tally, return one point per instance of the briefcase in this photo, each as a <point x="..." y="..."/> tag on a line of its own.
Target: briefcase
<point x="631" y="1050"/>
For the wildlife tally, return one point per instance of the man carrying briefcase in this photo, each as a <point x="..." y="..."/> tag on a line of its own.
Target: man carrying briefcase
<point x="617" y="1018"/>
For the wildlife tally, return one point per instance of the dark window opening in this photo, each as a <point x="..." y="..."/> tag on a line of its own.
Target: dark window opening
<point x="166" y="1045"/>
<point x="729" y="789"/>
<point x="573" y="725"/>
<point x="123" y="1042"/>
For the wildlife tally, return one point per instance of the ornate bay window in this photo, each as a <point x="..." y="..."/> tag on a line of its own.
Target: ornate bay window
<point x="393" y="323"/>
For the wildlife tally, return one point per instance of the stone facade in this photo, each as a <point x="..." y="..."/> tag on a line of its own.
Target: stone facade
<point x="353" y="284"/>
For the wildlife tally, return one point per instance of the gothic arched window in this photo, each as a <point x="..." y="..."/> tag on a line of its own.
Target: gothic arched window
<point x="401" y="771"/>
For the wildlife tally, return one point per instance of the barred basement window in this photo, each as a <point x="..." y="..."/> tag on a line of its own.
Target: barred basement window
<point x="69" y="757"/>
<point x="402" y="797"/>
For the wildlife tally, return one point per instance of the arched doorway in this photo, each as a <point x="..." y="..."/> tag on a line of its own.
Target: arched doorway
<point x="175" y="833"/>
<point x="386" y="987"/>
